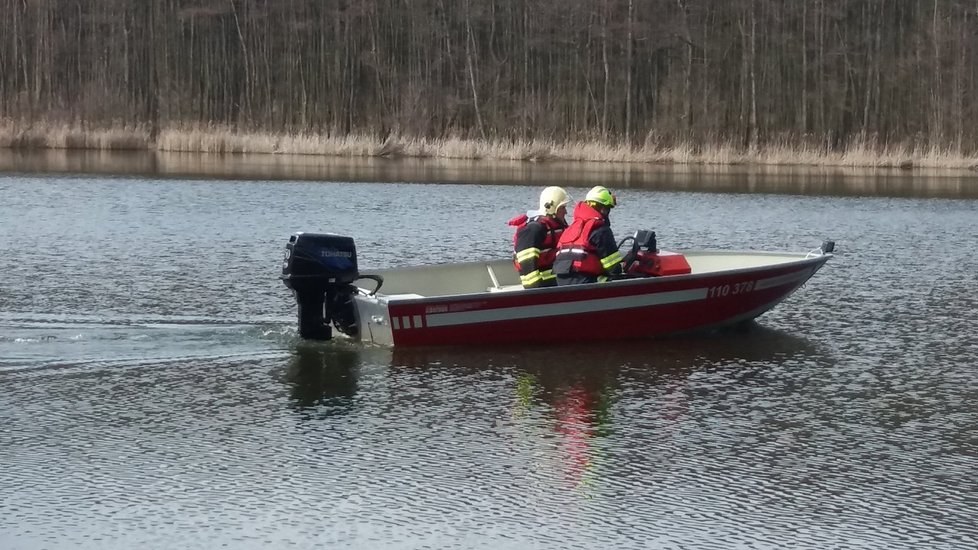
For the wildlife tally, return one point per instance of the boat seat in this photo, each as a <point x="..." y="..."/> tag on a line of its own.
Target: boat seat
<point x="507" y="288"/>
<point x="407" y="296"/>
<point x="496" y="287"/>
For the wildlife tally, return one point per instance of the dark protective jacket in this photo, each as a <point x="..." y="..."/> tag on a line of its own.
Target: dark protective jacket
<point x="587" y="251"/>
<point x="534" y="249"/>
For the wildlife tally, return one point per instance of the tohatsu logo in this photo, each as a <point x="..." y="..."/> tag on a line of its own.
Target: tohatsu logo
<point x="335" y="254"/>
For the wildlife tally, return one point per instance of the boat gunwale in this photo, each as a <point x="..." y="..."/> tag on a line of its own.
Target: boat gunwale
<point x="803" y="259"/>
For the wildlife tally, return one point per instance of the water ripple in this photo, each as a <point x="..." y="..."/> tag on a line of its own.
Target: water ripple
<point x="175" y="406"/>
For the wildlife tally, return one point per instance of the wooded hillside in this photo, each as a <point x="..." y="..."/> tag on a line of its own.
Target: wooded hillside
<point x="822" y="73"/>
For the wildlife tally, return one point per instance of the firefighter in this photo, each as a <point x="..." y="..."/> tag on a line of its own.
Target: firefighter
<point x="587" y="251"/>
<point x="535" y="241"/>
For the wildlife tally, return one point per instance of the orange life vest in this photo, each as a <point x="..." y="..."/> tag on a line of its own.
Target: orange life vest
<point x="574" y="246"/>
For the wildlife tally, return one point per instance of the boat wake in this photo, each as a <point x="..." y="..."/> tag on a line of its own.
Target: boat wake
<point x="31" y="341"/>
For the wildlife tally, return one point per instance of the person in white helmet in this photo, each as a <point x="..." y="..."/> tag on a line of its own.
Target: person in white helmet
<point x="537" y="234"/>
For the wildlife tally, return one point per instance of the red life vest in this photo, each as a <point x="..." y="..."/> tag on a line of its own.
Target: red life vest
<point x="548" y="249"/>
<point x="574" y="242"/>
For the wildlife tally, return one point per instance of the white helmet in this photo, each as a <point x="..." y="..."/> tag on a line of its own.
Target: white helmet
<point x="551" y="199"/>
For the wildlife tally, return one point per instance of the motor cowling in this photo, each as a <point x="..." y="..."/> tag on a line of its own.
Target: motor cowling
<point x="320" y="268"/>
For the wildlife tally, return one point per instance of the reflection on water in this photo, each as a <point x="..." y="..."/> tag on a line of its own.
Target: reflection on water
<point x="580" y="404"/>
<point x="665" y="357"/>
<point x="324" y="377"/>
<point x="818" y="180"/>
<point x="574" y="389"/>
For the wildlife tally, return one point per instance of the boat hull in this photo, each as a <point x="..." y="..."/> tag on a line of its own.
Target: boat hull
<point x="626" y="309"/>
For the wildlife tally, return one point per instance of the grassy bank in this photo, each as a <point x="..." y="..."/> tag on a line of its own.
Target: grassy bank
<point x="212" y="139"/>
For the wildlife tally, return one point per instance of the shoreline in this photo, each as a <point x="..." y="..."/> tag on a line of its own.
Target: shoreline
<point x="224" y="140"/>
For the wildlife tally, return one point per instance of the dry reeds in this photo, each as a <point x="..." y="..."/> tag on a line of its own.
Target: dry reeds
<point x="63" y="136"/>
<point x="224" y="139"/>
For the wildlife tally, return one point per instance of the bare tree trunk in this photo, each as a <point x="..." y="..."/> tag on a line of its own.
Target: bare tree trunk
<point x="959" y="85"/>
<point x="525" y="107"/>
<point x="629" y="46"/>
<point x="607" y="70"/>
<point x="469" y="46"/>
<point x="753" y="79"/>
<point x="687" y="101"/>
<point x="803" y="116"/>
<point x="246" y="107"/>
<point x="937" y="124"/>
<point x="870" y="67"/>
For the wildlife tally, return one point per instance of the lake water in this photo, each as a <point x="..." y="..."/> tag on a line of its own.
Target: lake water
<point x="153" y="392"/>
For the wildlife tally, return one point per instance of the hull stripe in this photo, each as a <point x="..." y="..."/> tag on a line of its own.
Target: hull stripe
<point x="564" y="308"/>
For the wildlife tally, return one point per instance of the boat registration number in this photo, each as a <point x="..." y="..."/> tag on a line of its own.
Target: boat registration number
<point x="727" y="290"/>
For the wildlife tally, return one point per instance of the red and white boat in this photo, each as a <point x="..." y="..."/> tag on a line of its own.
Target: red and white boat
<point x="483" y="302"/>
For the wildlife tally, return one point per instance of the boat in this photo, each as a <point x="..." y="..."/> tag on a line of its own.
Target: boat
<point x="482" y="302"/>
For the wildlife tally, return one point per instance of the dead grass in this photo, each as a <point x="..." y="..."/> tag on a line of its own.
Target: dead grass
<point x="63" y="136"/>
<point x="223" y="139"/>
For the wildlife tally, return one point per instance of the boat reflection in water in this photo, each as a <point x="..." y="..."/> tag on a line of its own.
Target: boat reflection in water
<point x="581" y="409"/>
<point x="573" y="399"/>
<point x="324" y="377"/>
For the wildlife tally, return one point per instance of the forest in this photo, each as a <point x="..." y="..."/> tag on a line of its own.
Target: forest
<point x="741" y="73"/>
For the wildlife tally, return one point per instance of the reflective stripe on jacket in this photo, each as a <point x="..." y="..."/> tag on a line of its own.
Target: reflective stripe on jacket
<point x="534" y="248"/>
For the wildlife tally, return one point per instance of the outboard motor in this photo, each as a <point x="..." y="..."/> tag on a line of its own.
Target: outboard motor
<point x="319" y="268"/>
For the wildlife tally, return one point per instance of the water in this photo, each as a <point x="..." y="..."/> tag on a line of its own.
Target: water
<point x="154" y="393"/>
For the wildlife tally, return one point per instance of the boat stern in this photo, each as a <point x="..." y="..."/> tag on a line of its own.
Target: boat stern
<point x="373" y="317"/>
